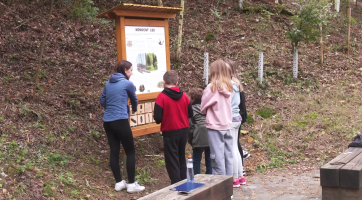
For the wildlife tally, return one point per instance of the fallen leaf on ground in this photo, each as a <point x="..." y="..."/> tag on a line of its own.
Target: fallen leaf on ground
<point x="250" y="139"/>
<point x="244" y="132"/>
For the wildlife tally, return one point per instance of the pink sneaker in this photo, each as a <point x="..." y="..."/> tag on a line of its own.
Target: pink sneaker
<point x="236" y="184"/>
<point x="242" y="181"/>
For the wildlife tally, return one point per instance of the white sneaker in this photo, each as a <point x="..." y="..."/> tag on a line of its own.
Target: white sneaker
<point x="120" y="185"/>
<point x="245" y="155"/>
<point x="134" y="187"/>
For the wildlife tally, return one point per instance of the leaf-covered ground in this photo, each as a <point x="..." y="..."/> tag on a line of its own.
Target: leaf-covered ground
<point x="55" y="148"/>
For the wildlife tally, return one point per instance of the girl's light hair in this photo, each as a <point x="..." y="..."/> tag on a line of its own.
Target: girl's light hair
<point x="234" y="73"/>
<point x="220" y="76"/>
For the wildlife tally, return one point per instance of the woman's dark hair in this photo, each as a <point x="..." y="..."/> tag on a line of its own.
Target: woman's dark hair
<point x="123" y="66"/>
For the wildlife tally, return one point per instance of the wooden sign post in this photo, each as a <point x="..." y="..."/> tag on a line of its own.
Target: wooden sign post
<point x="143" y="39"/>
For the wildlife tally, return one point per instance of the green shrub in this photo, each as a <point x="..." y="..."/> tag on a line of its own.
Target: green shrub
<point x="142" y="176"/>
<point x="306" y="25"/>
<point x="83" y="9"/>
<point x="95" y="134"/>
<point x="209" y="36"/>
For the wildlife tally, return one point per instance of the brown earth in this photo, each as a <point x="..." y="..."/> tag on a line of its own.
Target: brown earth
<point x="64" y="157"/>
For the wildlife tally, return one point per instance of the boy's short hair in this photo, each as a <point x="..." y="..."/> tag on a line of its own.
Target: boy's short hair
<point x="171" y="77"/>
<point x="196" y="94"/>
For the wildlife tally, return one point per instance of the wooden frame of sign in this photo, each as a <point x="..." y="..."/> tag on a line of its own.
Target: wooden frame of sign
<point x="133" y="15"/>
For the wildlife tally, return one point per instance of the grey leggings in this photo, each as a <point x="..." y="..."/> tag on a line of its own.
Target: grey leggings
<point x="221" y="146"/>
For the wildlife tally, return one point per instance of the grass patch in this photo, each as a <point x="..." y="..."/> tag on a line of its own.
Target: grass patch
<point x="67" y="179"/>
<point x="250" y="120"/>
<point x="265" y="112"/>
<point x="59" y="159"/>
<point x="49" y="189"/>
<point x="311" y="121"/>
<point x="277" y="127"/>
<point x="301" y="123"/>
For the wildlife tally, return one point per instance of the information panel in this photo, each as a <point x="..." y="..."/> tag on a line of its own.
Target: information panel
<point x="146" y="50"/>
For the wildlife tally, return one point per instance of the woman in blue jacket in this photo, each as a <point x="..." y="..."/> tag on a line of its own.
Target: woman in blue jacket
<point x="115" y="121"/>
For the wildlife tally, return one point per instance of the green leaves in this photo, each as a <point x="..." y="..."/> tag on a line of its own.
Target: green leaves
<point x="308" y="21"/>
<point x="83" y="9"/>
<point x="216" y="13"/>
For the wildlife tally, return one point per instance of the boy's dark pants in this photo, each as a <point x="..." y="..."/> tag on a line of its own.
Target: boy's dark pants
<point x="174" y="148"/>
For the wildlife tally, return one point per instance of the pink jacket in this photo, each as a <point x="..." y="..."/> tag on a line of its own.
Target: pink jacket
<point x="217" y="107"/>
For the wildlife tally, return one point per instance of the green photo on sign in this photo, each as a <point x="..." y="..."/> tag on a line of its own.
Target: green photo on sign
<point x="146" y="62"/>
<point x="151" y="62"/>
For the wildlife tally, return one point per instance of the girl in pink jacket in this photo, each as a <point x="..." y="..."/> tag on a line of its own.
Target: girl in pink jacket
<point x="216" y="104"/>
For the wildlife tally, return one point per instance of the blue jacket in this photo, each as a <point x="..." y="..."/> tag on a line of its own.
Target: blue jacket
<point x="115" y="98"/>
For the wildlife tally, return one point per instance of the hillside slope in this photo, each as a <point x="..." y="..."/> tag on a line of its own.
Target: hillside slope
<point x="56" y="147"/>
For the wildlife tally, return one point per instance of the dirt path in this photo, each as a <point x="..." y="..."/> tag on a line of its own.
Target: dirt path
<point x="281" y="185"/>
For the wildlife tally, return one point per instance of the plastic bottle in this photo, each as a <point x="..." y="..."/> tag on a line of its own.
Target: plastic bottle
<point x="190" y="169"/>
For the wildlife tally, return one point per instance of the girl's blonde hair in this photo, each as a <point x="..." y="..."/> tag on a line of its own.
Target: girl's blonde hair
<point x="234" y="73"/>
<point x="220" y="74"/>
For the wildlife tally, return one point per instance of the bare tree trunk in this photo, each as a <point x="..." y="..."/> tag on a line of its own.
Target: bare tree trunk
<point x="179" y="39"/>
<point x="159" y="2"/>
<point x="42" y="50"/>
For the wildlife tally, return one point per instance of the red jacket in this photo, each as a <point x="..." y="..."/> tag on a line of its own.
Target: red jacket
<point x="173" y="110"/>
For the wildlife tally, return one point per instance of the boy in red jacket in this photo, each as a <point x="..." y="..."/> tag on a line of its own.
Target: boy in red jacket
<point x="173" y="110"/>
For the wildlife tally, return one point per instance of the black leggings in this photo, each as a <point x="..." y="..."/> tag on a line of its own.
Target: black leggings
<point x="118" y="132"/>
<point x="239" y="145"/>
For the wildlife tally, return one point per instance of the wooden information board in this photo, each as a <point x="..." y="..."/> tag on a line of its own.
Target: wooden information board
<point x="143" y="39"/>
